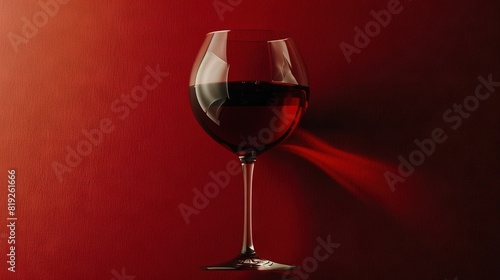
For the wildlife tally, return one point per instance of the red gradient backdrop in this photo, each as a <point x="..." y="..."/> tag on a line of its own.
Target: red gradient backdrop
<point x="114" y="213"/>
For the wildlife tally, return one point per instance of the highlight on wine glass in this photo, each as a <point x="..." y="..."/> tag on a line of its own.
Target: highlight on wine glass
<point x="248" y="90"/>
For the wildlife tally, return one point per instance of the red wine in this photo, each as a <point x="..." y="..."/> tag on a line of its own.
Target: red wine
<point x="248" y="116"/>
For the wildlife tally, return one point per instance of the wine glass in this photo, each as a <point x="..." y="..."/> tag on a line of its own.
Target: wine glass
<point x="248" y="90"/>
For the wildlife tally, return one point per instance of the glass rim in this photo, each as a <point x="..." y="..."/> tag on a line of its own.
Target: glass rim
<point x="274" y="35"/>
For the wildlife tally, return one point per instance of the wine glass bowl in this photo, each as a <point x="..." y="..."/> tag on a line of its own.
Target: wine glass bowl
<point x="248" y="90"/>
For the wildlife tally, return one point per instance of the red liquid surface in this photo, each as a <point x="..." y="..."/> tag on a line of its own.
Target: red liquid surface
<point x="248" y="116"/>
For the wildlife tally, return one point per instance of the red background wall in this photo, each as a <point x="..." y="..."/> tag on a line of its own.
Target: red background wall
<point x="115" y="215"/>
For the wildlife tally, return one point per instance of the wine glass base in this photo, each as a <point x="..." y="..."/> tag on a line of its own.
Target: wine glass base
<point x="252" y="262"/>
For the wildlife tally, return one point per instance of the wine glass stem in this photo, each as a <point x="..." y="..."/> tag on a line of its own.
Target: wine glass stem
<point x="247" y="164"/>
